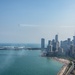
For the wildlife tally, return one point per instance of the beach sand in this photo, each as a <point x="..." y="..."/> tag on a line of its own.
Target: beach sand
<point x="64" y="61"/>
<point x="64" y="67"/>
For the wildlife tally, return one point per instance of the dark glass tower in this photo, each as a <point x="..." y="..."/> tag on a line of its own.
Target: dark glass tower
<point x="56" y="38"/>
<point x="42" y="43"/>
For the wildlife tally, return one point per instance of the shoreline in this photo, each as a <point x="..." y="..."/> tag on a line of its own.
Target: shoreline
<point x="61" y="60"/>
<point x="64" y="67"/>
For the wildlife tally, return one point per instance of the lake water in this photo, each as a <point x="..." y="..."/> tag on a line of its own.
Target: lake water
<point x="27" y="62"/>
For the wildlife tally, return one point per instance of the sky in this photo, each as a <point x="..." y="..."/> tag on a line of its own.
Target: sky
<point x="27" y="21"/>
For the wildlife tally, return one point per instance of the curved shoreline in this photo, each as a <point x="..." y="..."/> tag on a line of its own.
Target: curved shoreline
<point x="64" y="67"/>
<point x="61" y="72"/>
<point x="61" y="60"/>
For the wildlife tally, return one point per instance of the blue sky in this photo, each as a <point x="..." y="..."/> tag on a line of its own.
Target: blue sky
<point x="27" y="21"/>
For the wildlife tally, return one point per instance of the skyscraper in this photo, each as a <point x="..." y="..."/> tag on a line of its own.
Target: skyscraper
<point x="56" y="38"/>
<point x="49" y="42"/>
<point x="68" y="43"/>
<point x="42" y="43"/>
<point x="49" y="46"/>
<point x="57" y="42"/>
<point x="54" y="45"/>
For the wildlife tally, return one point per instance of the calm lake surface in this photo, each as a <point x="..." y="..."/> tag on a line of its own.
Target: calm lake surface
<point x="27" y="62"/>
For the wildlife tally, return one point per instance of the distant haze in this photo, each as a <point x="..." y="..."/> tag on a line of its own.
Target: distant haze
<point x="27" y="21"/>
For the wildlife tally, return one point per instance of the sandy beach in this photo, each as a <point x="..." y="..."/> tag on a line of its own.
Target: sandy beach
<point x="64" y="67"/>
<point x="64" y="61"/>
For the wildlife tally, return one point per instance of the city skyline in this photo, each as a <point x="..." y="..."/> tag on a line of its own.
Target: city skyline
<point x="27" y="21"/>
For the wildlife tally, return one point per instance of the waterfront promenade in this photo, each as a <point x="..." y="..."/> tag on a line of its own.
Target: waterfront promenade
<point x="64" y="67"/>
<point x="67" y="69"/>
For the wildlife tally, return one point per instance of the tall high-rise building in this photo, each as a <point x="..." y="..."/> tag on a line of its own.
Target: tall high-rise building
<point x="56" y="38"/>
<point x="49" y="46"/>
<point x="54" y="45"/>
<point x="57" y="42"/>
<point x="57" y="46"/>
<point x="72" y="50"/>
<point x="42" y="43"/>
<point x="61" y="44"/>
<point x="68" y="43"/>
<point x="64" y="45"/>
<point x="49" y="42"/>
